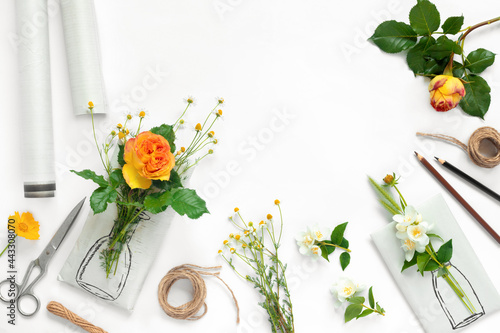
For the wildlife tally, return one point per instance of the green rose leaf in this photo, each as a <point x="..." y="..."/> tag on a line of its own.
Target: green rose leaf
<point x="357" y="300"/>
<point x="478" y="60"/>
<point x="458" y="69"/>
<point x="424" y="17"/>
<point x="445" y="252"/>
<point x="476" y="101"/>
<point x="365" y="313"/>
<point x="371" y="299"/>
<point x="101" y="197"/>
<point x="345" y="259"/>
<point x="443" y="48"/>
<point x="453" y="24"/>
<point x="412" y="262"/>
<point x="394" y="37"/>
<point x="116" y="178"/>
<point x="352" y="311"/>
<point x="167" y="132"/>
<point x="158" y="202"/>
<point x="422" y="261"/>
<point x="173" y="182"/>
<point x="186" y="201"/>
<point x="338" y="233"/>
<point x="121" y="151"/>
<point x="91" y="175"/>
<point x="415" y="57"/>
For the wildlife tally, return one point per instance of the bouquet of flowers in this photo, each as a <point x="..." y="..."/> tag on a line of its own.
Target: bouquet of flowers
<point x="417" y="242"/>
<point x="147" y="176"/>
<point x="256" y="247"/>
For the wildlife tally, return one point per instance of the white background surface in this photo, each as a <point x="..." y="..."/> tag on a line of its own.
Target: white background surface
<point x="353" y="113"/>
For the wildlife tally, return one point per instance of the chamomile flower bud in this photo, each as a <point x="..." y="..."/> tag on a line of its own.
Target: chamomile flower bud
<point x="183" y="149"/>
<point x="236" y="209"/>
<point x="113" y="133"/>
<point x="262" y="224"/>
<point x="178" y="152"/>
<point x="232" y="250"/>
<point x="220" y="100"/>
<point x="237" y="236"/>
<point x="119" y="126"/>
<point x="181" y="121"/>
<point x="218" y="113"/>
<point x="190" y="100"/>
<point x="269" y="217"/>
<point x="215" y="141"/>
<point x="129" y="117"/>
<point x="244" y="245"/>
<point x="211" y="134"/>
<point x="231" y="235"/>
<point x="121" y="135"/>
<point x="219" y="252"/>
<point x="210" y="151"/>
<point x="91" y="105"/>
<point x="225" y="242"/>
<point x="250" y="224"/>
<point x="127" y="132"/>
<point x="276" y="202"/>
<point x="198" y="127"/>
<point x="142" y="114"/>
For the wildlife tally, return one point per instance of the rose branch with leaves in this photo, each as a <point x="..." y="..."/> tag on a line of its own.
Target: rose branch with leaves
<point x="415" y="235"/>
<point x="147" y="176"/>
<point x="453" y="82"/>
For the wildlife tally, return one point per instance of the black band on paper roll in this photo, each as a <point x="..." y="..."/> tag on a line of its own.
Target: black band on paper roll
<point x="39" y="190"/>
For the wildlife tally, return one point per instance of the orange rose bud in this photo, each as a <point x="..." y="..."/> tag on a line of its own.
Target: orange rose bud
<point x="147" y="158"/>
<point x="446" y="92"/>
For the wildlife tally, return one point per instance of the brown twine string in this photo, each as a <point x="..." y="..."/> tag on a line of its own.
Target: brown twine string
<point x="194" y="274"/>
<point x="59" y="310"/>
<point x="479" y="135"/>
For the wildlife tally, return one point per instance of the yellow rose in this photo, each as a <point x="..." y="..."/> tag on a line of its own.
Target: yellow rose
<point x="147" y="157"/>
<point x="446" y="92"/>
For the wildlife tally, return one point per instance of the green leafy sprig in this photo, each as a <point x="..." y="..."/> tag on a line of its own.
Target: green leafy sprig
<point x="337" y="241"/>
<point x="430" y="52"/>
<point x="357" y="309"/>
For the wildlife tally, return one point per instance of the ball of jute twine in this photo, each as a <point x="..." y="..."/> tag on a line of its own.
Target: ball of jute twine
<point x="59" y="310"/>
<point x="193" y="273"/>
<point x="472" y="149"/>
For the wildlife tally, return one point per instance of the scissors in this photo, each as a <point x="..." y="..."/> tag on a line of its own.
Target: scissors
<point x="25" y="290"/>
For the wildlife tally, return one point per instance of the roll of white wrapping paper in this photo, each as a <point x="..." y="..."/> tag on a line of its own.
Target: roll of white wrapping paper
<point x="36" y="104"/>
<point x="84" y="56"/>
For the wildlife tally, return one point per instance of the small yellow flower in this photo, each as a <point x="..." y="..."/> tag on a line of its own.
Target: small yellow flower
<point x="250" y="224"/>
<point x="91" y="105"/>
<point x="210" y="151"/>
<point x="198" y="127"/>
<point x="215" y="141"/>
<point x="129" y="116"/>
<point x="232" y="250"/>
<point x="119" y="126"/>
<point x="142" y="114"/>
<point x="183" y="149"/>
<point x="225" y="242"/>
<point x="211" y="134"/>
<point x="269" y="217"/>
<point x="25" y="225"/>
<point x="244" y="246"/>
<point x="218" y="113"/>
<point x="237" y="237"/>
<point x="178" y="152"/>
<point x="246" y="232"/>
<point x="121" y="135"/>
<point x="231" y="235"/>
<point x="127" y="132"/>
<point x="236" y="209"/>
<point x="219" y="252"/>
<point x="181" y="121"/>
<point x="276" y="202"/>
<point x="220" y="100"/>
<point x="190" y="100"/>
<point x="113" y="133"/>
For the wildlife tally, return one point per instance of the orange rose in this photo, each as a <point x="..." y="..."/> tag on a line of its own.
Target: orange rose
<point x="446" y="92"/>
<point x="147" y="157"/>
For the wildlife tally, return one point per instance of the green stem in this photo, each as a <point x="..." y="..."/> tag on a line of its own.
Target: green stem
<point x="8" y="243"/>
<point x="340" y="247"/>
<point x="374" y="310"/>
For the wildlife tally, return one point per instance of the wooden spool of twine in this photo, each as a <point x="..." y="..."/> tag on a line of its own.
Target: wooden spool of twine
<point x="479" y="135"/>
<point x="193" y="273"/>
<point x="59" y="310"/>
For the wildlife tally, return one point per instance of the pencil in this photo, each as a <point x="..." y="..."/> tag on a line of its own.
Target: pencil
<point x="468" y="178"/>
<point x="457" y="196"/>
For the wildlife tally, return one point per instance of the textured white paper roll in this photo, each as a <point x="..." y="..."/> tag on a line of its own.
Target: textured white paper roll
<point x="84" y="56"/>
<point x="36" y="103"/>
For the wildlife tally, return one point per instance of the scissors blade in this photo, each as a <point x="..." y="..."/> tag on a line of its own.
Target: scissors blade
<point x="58" y="237"/>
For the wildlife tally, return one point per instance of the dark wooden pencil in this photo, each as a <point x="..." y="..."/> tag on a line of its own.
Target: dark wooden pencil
<point x="457" y="196"/>
<point x="468" y="178"/>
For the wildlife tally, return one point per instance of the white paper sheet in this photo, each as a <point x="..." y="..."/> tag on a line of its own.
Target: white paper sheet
<point x="418" y="290"/>
<point x="84" y="56"/>
<point x="36" y="104"/>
